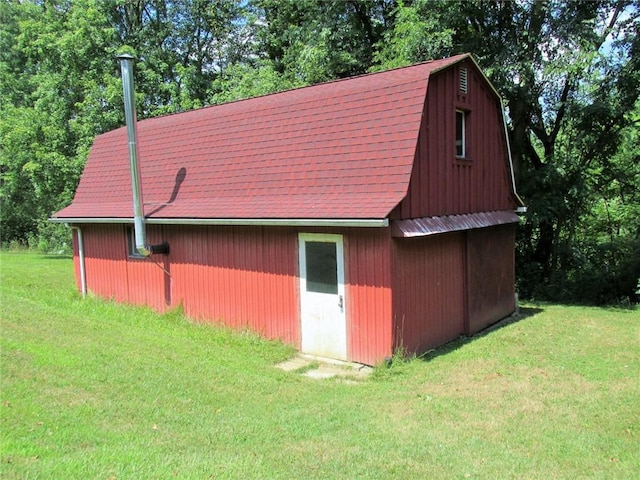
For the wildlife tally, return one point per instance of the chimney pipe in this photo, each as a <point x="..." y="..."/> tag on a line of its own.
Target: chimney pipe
<point x="126" y="65"/>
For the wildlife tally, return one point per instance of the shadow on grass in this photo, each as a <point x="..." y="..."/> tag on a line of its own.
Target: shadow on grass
<point x="62" y="256"/>
<point x="523" y="314"/>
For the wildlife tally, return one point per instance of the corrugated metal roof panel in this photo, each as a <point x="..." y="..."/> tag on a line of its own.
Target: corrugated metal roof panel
<point x="421" y="227"/>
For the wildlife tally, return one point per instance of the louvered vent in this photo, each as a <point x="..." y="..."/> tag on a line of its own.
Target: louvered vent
<point x="463" y="79"/>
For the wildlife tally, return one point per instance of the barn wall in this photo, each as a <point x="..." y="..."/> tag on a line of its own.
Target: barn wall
<point x="244" y="277"/>
<point x="428" y="291"/>
<point x="440" y="183"/>
<point x="149" y="280"/>
<point x="368" y="294"/>
<point x="105" y="266"/>
<point x="490" y="275"/>
<point x="111" y="274"/>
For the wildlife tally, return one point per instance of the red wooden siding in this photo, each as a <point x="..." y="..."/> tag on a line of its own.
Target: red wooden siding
<point x="428" y="291"/>
<point x="111" y="274"/>
<point x="149" y="280"/>
<point x="243" y="277"/>
<point x="490" y="275"/>
<point x="368" y="294"/>
<point x="415" y="293"/>
<point x="440" y="183"/>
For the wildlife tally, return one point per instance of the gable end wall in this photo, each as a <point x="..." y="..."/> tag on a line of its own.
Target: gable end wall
<point x="440" y="183"/>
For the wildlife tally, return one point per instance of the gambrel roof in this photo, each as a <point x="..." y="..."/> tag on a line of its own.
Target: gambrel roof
<point x="338" y="150"/>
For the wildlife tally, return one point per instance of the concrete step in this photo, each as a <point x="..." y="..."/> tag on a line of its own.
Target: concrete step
<point x="321" y="368"/>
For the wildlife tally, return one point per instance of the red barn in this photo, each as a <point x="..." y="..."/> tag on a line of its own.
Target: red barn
<point x="350" y="218"/>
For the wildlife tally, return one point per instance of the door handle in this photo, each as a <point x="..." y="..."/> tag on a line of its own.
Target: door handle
<point x="341" y="303"/>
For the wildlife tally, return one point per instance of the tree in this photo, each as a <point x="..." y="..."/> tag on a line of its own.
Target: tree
<point x="311" y="41"/>
<point x="61" y="86"/>
<point x="568" y="72"/>
<point x="52" y="71"/>
<point x="416" y="34"/>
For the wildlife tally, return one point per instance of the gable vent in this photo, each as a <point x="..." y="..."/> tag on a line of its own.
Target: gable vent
<point x="463" y="79"/>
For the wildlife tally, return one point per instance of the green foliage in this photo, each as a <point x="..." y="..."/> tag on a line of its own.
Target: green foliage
<point x="568" y="75"/>
<point x="56" y="81"/>
<point x="312" y="41"/>
<point x="417" y="35"/>
<point x="243" y="81"/>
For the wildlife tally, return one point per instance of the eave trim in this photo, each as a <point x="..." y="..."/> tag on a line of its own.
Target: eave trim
<point x="275" y="222"/>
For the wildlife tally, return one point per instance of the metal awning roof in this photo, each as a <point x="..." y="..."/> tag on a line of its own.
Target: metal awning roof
<point x="421" y="227"/>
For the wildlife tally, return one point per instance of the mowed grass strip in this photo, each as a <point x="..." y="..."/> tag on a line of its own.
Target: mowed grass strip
<point x="93" y="389"/>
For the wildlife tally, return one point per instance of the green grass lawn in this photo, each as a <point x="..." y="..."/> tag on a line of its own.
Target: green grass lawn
<point x="92" y="389"/>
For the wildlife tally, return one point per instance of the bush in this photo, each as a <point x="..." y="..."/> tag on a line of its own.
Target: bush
<point x="601" y="274"/>
<point x="53" y="238"/>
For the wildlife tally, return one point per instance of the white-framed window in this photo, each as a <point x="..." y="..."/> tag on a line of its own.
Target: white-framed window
<point x="461" y="134"/>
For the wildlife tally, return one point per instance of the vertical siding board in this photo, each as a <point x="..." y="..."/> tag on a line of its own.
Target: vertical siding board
<point x="211" y="275"/>
<point x="216" y="304"/>
<point x="368" y="293"/>
<point x="195" y="268"/>
<point x="290" y="284"/>
<point x="208" y="272"/>
<point x="198" y="271"/>
<point x="246" y="288"/>
<point x="437" y="153"/>
<point x="182" y="273"/>
<point x="452" y="186"/>
<point x="221" y="290"/>
<point x="257" y="281"/>
<point x="235" y="308"/>
<point x="235" y="277"/>
<point x="247" y="297"/>
<point x="276" y="286"/>
<point x="274" y="324"/>
<point x="428" y="291"/>
<point x="228" y="286"/>
<point x="414" y="194"/>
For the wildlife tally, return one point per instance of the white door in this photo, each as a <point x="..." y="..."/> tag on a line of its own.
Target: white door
<point x="322" y="307"/>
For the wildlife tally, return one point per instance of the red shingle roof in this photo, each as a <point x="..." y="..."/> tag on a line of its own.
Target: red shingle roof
<point x="338" y="150"/>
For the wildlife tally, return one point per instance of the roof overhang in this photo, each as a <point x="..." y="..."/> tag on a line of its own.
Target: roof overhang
<point x="422" y="227"/>
<point x="275" y="222"/>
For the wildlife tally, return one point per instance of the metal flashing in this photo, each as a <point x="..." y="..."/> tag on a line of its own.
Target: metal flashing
<point x="275" y="222"/>
<point x="422" y="227"/>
